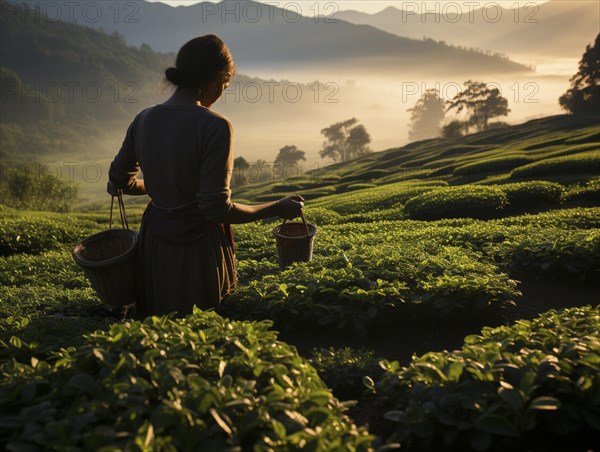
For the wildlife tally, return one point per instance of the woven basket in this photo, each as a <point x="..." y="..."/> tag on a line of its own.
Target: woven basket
<point x="108" y="259"/>
<point x="294" y="242"/>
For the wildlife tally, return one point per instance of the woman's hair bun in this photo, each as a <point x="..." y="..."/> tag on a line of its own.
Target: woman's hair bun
<point x="174" y="75"/>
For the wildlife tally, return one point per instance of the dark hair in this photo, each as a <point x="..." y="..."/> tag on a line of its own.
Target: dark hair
<point x="202" y="61"/>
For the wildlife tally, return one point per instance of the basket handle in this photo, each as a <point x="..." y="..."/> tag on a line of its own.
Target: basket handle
<point x="121" y="210"/>
<point x="303" y="221"/>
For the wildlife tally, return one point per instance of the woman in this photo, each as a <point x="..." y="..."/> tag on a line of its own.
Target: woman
<point x="185" y="151"/>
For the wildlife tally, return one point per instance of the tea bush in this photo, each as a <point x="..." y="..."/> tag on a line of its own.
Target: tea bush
<point x="321" y="216"/>
<point x="250" y="269"/>
<point x="575" y="218"/>
<point x="52" y="267"/>
<point x="457" y="202"/>
<point x="533" y="193"/>
<point x="344" y="369"/>
<point x="374" y="283"/>
<point x="269" y="197"/>
<point x="531" y="386"/>
<point x="585" y="163"/>
<point x="34" y="235"/>
<point x="352" y="187"/>
<point x="27" y="337"/>
<point x="285" y="188"/>
<point x="199" y="383"/>
<point x="590" y="192"/>
<point x="367" y="200"/>
<point x="365" y="175"/>
<point x="318" y="192"/>
<point x="38" y="317"/>
<point x="556" y="254"/>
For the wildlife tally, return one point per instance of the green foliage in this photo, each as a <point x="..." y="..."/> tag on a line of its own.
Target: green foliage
<point x="269" y="198"/>
<point x="359" y="281"/>
<point x="198" y="382"/>
<point x="372" y="270"/>
<point x="366" y="175"/>
<point x="317" y="192"/>
<point x="584" y="94"/>
<point x="381" y="197"/>
<point x="585" y="137"/>
<point x="52" y="267"/>
<point x="482" y="103"/>
<point x="26" y="337"/>
<point x="39" y="317"/>
<point x="320" y="216"/>
<point x="586" y="163"/>
<point x="344" y="369"/>
<point x="533" y="194"/>
<point x="285" y="188"/>
<point x="345" y="141"/>
<point x="352" y="187"/>
<point x="569" y="219"/>
<point x="493" y="165"/>
<point x="67" y="52"/>
<point x="457" y="202"/>
<point x="35" y="235"/>
<point x="486" y="158"/>
<point x="590" y="192"/>
<point x="250" y="269"/>
<point x="533" y="385"/>
<point x="556" y="255"/>
<point x="30" y="186"/>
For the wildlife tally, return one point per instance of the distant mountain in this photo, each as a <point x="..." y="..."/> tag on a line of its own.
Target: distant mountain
<point x="71" y="91"/>
<point x="261" y="35"/>
<point x="72" y="72"/>
<point x="556" y="28"/>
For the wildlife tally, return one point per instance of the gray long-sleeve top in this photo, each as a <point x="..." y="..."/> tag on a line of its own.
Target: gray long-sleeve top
<point x="185" y="153"/>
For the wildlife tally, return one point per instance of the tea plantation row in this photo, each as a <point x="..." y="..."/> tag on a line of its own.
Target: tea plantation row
<point x="358" y="276"/>
<point x="167" y="384"/>
<point x="206" y="382"/>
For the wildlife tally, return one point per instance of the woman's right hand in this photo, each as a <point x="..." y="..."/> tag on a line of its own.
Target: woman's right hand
<point x="290" y="207"/>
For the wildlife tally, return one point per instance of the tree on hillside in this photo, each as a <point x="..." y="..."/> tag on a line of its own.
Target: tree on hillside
<point x="240" y="163"/>
<point x="345" y="140"/>
<point x="240" y="170"/>
<point x="260" y="171"/>
<point x="289" y="155"/>
<point x="584" y="94"/>
<point x="481" y="102"/>
<point x="426" y="116"/>
<point x="455" y="129"/>
<point x="287" y="161"/>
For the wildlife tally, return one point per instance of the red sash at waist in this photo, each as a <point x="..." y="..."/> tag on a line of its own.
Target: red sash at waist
<point x="182" y="224"/>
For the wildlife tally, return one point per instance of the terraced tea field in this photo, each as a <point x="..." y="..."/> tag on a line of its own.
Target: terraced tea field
<point x="453" y="295"/>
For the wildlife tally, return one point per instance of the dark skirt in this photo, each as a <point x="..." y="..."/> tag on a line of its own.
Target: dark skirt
<point x="177" y="277"/>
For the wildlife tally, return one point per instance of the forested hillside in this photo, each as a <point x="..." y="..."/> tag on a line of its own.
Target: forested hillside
<point x="66" y="87"/>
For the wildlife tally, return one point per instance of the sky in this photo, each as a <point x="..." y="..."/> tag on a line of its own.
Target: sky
<point x="371" y="6"/>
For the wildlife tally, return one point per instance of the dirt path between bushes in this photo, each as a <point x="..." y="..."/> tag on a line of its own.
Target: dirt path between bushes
<point x="436" y="335"/>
